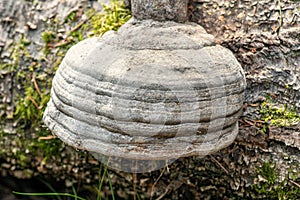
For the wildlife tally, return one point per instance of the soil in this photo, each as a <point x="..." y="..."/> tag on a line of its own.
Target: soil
<point x="9" y="184"/>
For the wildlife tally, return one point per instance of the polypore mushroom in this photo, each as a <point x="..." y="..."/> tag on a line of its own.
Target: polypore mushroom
<point x="155" y="90"/>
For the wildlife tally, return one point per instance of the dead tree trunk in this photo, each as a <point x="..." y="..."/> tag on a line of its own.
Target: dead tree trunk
<point x="264" y="161"/>
<point x="265" y="158"/>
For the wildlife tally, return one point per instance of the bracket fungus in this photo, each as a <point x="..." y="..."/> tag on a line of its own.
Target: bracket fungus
<point x="157" y="89"/>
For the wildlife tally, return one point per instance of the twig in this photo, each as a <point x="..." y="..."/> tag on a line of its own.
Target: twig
<point x="34" y="102"/>
<point x="297" y="184"/>
<point x="49" y="137"/>
<point x="173" y="185"/>
<point x="134" y="185"/>
<point x="167" y="166"/>
<point x="71" y="31"/>
<point x="63" y="43"/>
<point x="78" y="26"/>
<point x="253" y="104"/>
<point x="163" y="194"/>
<point x="216" y="161"/>
<point x="248" y="122"/>
<point x="154" y="184"/>
<point x="36" y="85"/>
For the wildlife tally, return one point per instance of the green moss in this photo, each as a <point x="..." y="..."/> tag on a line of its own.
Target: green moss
<point x="48" y="36"/>
<point x="267" y="171"/>
<point x="70" y="17"/>
<point x="6" y="67"/>
<point x="114" y="16"/>
<point x="18" y="53"/>
<point x="30" y="107"/>
<point x="46" y="149"/>
<point x="33" y="80"/>
<point x="269" y="186"/>
<point x="281" y="116"/>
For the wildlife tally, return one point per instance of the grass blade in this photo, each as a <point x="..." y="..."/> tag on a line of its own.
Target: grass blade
<point x="110" y="185"/>
<point x="50" y="187"/>
<point x="48" y="194"/>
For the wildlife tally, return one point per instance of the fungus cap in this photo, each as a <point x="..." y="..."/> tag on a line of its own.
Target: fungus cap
<point x="151" y="91"/>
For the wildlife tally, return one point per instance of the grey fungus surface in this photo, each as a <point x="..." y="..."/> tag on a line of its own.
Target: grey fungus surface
<point x="151" y="91"/>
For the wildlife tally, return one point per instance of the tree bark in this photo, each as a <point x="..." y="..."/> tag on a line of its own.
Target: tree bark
<point x="264" y="36"/>
<point x="174" y="10"/>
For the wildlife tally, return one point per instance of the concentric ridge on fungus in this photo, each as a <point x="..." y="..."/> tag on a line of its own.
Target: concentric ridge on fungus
<point x="152" y="90"/>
